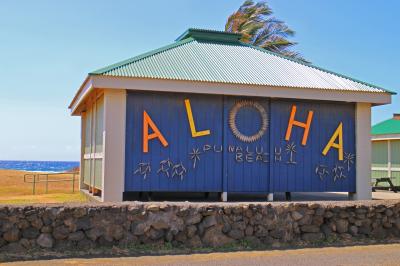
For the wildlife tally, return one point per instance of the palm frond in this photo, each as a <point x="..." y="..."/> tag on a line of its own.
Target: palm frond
<point x="258" y="27"/>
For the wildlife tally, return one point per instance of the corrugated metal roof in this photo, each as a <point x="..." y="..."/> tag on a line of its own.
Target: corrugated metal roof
<point x="390" y="126"/>
<point x="209" y="56"/>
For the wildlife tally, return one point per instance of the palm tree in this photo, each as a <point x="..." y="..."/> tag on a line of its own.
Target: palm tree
<point x="258" y="27"/>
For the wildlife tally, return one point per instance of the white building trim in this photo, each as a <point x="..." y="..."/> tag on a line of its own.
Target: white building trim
<point x="81" y="172"/>
<point x="385" y="137"/>
<point x="363" y="153"/>
<point x="114" y="145"/>
<point x="83" y="92"/>
<point x="389" y="158"/>
<point x="393" y="169"/>
<point x="107" y="82"/>
<point x="97" y="155"/>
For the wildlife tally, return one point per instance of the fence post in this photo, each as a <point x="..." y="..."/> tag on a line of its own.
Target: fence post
<point x="73" y="182"/>
<point x="34" y="184"/>
<point x="47" y="183"/>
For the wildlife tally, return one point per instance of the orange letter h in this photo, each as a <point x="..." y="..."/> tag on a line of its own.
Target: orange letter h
<point x="305" y="125"/>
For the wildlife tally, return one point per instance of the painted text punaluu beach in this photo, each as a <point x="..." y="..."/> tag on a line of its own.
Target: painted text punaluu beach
<point x="211" y="114"/>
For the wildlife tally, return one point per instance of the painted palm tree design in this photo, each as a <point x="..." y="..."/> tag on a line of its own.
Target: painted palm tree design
<point x="348" y="159"/>
<point x="195" y="156"/>
<point x="291" y="150"/>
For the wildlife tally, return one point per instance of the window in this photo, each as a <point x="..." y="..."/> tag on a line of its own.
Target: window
<point x="379" y="154"/>
<point x="395" y="153"/>
<point x="93" y="127"/>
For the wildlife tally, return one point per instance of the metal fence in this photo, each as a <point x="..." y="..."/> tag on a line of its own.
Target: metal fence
<point x="47" y="178"/>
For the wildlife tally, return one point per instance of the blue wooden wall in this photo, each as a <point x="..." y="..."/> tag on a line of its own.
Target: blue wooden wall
<point x="217" y="166"/>
<point x="246" y="174"/>
<point x="301" y="175"/>
<point x="167" y="110"/>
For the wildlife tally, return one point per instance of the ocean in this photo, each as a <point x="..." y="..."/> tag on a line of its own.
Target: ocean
<point x="39" y="166"/>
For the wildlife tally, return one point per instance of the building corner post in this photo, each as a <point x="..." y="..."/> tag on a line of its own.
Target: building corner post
<point x="270" y="197"/>
<point x="363" y="153"/>
<point x="224" y="196"/>
<point x="81" y="159"/>
<point x="114" y="144"/>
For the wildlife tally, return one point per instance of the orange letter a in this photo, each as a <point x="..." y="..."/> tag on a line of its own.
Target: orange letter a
<point x="338" y="134"/>
<point x="293" y="122"/>
<point x="156" y="133"/>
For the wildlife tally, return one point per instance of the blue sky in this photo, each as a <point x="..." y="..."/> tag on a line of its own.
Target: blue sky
<point x="48" y="47"/>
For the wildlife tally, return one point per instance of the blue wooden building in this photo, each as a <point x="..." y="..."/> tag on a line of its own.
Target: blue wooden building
<point x="209" y="113"/>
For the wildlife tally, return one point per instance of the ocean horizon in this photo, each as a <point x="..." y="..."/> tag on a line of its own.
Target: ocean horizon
<point x="38" y="166"/>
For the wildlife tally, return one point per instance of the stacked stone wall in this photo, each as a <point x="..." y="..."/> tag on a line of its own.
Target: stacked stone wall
<point x="193" y="225"/>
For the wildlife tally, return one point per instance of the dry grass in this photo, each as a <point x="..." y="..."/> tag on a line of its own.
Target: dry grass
<point x="14" y="190"/>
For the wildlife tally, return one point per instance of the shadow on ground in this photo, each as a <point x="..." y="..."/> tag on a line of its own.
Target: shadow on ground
<point x="278" y="197"/>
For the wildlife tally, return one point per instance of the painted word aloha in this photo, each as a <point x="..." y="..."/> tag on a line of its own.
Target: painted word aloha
<point x="336" y="140"/>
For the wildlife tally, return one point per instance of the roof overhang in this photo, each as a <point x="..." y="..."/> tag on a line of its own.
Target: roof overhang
<point x="385" y="137"/>
<point x="84" y="90"/>
<point x="166" y="85"/>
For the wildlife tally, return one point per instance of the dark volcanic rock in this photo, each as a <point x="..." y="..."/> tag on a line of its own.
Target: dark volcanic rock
<point x="312" y="237"/>
<point x="45" y="241"/>
<point x="342" y="226"/>
<point x="31" y="233"/>
<point x="214" y="237"/>
<point x="23" y="229"/>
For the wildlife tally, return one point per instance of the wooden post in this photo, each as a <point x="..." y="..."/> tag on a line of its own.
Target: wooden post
<point x="34" y="184"/>
<point x="73" y="182"/>
<point x="270" y="197"/>
<point x="47" y="184"/>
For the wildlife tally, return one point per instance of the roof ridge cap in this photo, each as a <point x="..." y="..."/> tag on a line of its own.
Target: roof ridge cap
<point x="212" y="35"/>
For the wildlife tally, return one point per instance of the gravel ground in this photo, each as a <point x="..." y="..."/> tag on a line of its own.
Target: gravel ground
<point x="353" y="255"/>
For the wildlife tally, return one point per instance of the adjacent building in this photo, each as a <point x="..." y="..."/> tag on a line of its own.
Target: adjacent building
<point x="386" y="149"/>
<point x="211" y="114"/>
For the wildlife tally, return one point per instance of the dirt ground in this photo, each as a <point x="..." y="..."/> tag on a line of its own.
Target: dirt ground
<point x="348" y="255"/>
<point x="13" y="189"/>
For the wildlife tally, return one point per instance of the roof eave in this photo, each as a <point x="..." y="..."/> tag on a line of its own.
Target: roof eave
<point x="386" y="136"/>
<point x="79" y="96"/>
<point x="224" y="88"/>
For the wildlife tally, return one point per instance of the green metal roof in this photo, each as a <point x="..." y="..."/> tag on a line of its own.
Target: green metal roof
<point x="390" y="126"/>
<point x="211" y="35"/>
<point x="216" y="56"/>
